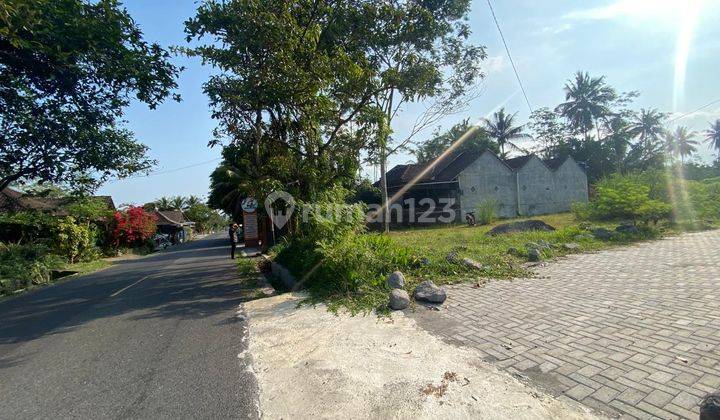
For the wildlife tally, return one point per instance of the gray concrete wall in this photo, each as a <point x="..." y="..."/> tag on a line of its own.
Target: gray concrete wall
<point x="488" y="178"/>
<point x="544" y="191"/>
<point x="570" y="184"/>
<point x="536" y="189"/>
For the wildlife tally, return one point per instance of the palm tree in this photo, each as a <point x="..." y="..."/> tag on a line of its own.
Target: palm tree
<point x="501" y="128"/>
<point x="178" y="202"/>
<point x="681" y="143"/>
<point x="192" y="201"/>
<point x="648" y="125"/>
<point x="163" y="203"/>
<point x="712" y="135"/>
<point x="587" y="99"/>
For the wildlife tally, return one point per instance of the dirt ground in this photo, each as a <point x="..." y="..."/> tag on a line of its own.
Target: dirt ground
<point x="312" y="363"/>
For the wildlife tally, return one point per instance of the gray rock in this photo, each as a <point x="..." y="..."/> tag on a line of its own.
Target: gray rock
<point x="627" y="228"/>
<point x="452" y="256"/>
<point x="571" y="246"/>
<point x="534" y="255"/>
<point x="399" y="299"/>
<point x="524" y="226"/>
<point x="472" y="263"/>
<point x="602" y="234"/>
<point x="545" y="244"/>
<point x="396" y="280"/>
<point x="427" y="291"/>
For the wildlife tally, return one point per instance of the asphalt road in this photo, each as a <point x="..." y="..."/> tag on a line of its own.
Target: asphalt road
<point x="157" y="337"/>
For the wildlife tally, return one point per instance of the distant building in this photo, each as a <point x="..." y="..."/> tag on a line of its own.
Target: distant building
<point x="14" y="201"/>
<point x="521" y="186"/>
<point x="175" y="224"/>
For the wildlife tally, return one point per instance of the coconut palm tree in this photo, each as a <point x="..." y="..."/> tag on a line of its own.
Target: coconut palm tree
<point x="712" y="135"/>
<point x="178" y="202"/>
<point x="192" y="201"/>
<point x="587" y="99"/>
<point x="681" y="143"/>
<point x="502" y="129"/>
<point x="163" y="203"/>
<point x="648" y="125"/>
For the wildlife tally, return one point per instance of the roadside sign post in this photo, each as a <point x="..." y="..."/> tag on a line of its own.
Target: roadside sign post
<point x="250" y="223"/>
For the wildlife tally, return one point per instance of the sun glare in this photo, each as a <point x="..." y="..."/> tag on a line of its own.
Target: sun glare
<point x="688" y="18"/>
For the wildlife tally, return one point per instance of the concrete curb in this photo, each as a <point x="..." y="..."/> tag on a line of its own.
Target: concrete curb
<point x="284" y="275"/>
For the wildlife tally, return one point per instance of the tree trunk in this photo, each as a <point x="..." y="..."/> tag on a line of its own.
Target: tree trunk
<point x="7" y="180"/>
<point x="258" y="137"/>
<point x="383" y="166"/>
<point x="383" y="187"/>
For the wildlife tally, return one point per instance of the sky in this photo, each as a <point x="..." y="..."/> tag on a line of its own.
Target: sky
<point x="669" y="50"/>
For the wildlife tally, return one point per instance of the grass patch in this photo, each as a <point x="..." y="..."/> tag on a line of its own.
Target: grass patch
<point x="351" y="272"/>
<point x="88" y="267"/>
<point x="252" y="274"/>
<point x="501" y="256"/>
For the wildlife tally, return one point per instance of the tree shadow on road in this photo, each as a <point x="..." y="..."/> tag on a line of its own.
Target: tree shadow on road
<point x="203" y="283"/>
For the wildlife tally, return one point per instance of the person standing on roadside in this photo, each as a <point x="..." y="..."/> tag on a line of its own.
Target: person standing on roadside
<point x="233" y="239"/>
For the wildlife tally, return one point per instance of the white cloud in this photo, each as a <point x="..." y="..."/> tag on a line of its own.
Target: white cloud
<point x="637" y="9"/>
<point x="556" y="29"/>
<point x="494" y="64"/>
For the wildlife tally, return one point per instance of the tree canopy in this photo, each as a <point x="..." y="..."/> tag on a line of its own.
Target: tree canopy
<point x="304" y="85"/>
<point x="68" y="68"/>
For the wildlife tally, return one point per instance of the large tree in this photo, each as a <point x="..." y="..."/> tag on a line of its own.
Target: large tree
<point x="292" y="97"/>
<point x="587" y="100"/>
<point x="549" y="131"/>
<point x="304" y="85"/>
<point x="417" y="51"/>
<point x="501" y="128"/>
<point x="648" y="125"/>
<point x="681" y="143"/>
<point x="68" y="68"/>
<point x="712" y="136"/>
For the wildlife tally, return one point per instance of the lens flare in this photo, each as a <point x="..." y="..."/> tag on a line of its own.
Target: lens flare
<point x="688" y="21"/>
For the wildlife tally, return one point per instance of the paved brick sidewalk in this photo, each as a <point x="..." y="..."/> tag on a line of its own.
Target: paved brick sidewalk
<point x="632" y="331"/>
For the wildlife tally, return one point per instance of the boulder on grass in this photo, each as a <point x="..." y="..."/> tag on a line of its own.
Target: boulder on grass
<point x="399" y="299"/>
<point x="396" y="280"/>
<point x="628" y="228"/>
<point x="534" y="255"/>
<point x="524" y="226"/>
<point x="602" y="234"/>
<point x="571" y="246"/>
<point x="470" y="263"/>
<point x="427" y="291"/>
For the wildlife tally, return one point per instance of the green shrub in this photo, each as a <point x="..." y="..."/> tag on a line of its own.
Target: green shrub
<point x="486" y="212"/>
<point x="580" y="210"/>
<point x="247" y="266"/>
<point x="619" y="198"/>
<point x="653" y="211"/>
<point x="626" y="197"/>
<point x="72" y="239"/>
<point x="22" y="266"/>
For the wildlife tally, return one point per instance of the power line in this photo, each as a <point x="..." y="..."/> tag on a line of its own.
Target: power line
<point x="507" y="49"/>
<point x="168" y="170"/>
<point x="694" y="111"/>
